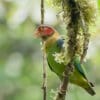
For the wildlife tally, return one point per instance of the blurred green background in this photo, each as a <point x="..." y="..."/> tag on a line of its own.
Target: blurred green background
<point x="21" y="55"/>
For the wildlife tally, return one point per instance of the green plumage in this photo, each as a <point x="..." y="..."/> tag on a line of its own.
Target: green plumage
<point x="78" y="76"/>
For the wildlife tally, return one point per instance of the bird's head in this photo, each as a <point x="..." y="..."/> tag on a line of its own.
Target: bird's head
<point x="44" y="32"/>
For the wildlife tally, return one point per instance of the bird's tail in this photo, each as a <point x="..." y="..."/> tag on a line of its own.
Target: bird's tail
<point x="90" y="90"/>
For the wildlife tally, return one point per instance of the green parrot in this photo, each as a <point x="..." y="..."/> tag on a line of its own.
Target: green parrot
<point x="53" y="44"/>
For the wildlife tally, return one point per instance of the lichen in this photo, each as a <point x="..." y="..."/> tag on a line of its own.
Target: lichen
<point x="59" y="57"/>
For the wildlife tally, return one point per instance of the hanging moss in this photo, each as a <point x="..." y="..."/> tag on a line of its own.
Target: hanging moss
<point x="87" y="9"/>
<point x="78" y="15"/>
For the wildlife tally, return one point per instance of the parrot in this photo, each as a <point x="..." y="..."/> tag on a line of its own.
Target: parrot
<point x="53" y="43"/>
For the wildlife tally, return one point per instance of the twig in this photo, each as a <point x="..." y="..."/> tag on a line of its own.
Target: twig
<point x="44" y="87"/>
<point x="42" y="11"/>
<point x="86" y="35"/>
<point x="86" y="38"/>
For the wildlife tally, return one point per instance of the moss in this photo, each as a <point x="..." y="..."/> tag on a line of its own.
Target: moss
<point x="78" y="15"/>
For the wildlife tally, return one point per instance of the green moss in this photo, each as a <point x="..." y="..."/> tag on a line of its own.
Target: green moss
<point x="78" y="15"/>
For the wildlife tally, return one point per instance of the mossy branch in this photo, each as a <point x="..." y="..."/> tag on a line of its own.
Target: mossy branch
<point x="78" y="14"/>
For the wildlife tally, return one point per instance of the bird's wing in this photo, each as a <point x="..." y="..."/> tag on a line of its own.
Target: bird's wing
<point x="79" y="67"/>
<point x="81" y="70"/>
<point x="50" y="65"/>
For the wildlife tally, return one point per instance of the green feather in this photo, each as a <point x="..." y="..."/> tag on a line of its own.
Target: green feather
<point x="79" y="67"/>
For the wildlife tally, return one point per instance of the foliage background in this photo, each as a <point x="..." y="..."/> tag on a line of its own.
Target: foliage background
<point x="21" y="56"/>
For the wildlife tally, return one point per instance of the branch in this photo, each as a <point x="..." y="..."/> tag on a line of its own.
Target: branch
<point x="44" y="87"/>
<point x="42" y="11"/>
